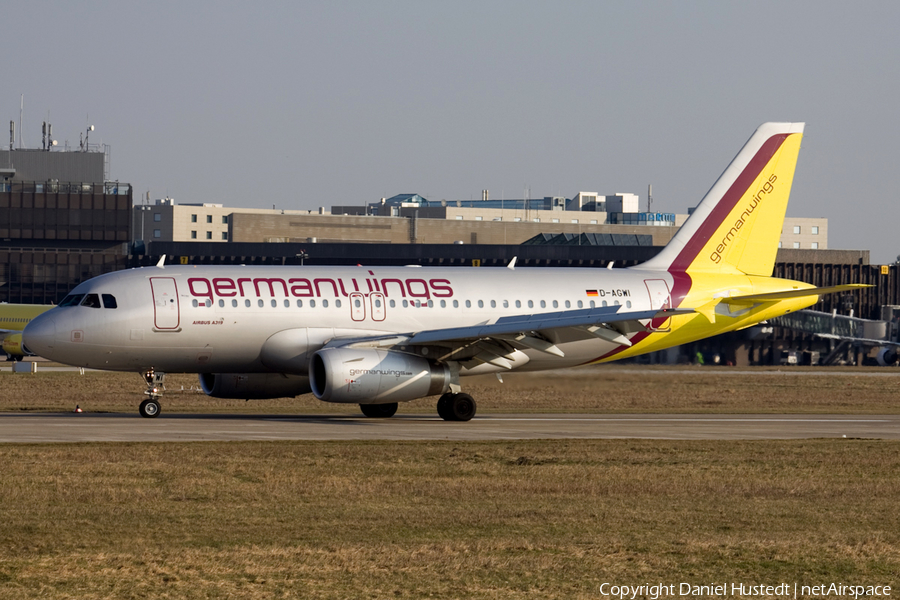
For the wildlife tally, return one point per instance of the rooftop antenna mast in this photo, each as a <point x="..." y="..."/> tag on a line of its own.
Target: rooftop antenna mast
<point x="21" y="110"/>
<point x="649" y="197"/>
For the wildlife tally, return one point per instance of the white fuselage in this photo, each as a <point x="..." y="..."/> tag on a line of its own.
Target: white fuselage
<point x="210" y="319"/>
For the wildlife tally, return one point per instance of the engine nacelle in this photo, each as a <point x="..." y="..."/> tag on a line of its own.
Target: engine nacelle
<point x="13" y="346"/>
<point x="368" y="376"/>
<point x="253" y="386"/>
<point x="886" y="357"/>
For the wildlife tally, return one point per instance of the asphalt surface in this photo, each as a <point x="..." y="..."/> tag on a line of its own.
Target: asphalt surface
<point x="85" y="427"/>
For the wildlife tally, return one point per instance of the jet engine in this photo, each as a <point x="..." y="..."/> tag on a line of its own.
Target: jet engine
<point x="886" y="357"/>
<point x="14" y="347"/>
<point x="368" y="376"/>
<point x="253" y="386"/>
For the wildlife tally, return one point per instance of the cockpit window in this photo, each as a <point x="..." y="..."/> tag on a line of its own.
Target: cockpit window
<point x="91" y="301"/>
<point x="72" y="300"/>
<point x="109" y="301"/>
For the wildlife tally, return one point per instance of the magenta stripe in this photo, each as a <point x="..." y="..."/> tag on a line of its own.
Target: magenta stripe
<point x="727" y="203"/>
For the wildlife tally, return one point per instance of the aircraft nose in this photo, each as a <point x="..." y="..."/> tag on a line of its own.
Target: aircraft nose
<point x="40" y="335"/>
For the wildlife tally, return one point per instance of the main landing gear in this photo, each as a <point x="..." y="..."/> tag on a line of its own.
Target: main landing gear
<point x="456" y="407"/>
<point x="150" y="408"/>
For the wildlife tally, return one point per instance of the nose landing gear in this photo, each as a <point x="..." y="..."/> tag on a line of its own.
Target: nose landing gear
<point x="150" y="408"/>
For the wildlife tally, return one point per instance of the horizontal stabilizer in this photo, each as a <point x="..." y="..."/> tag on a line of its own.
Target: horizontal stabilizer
<point x="788" y="294"/>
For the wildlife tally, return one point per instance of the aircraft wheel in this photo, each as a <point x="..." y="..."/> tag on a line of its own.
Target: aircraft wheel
<point x="379" y="411"/>
<point x="149" y="409"/>
<point x="457" y="407"/>
<point x="443" y="406"/>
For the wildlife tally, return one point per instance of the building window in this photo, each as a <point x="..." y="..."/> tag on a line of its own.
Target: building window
<point x="209" y="235"/>
<point x="193" y="235"/>
<point x="814" y="245"/>
<point x="193" y="218"/>
<point x="209" y="218"/>
<point x="779" y="244"/>
<point x="224" y="236"/>
<point x="224" y="219"/>
<point x="554" y="220"/>
<point x="459" y="217"/>
<point x="478" y="218"/>
<point x="157" y="217"/>
<point x="156" y="233"/>
<point x="796" y="229"/>
<point x="796" y="244"/>
<point x="815" y="230"/>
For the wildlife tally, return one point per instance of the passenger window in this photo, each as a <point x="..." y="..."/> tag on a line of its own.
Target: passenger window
<point x="493" y="304"/>
<point x="287" y="303"/>
<point x="456" y="304"/>
<point x="543" y="304"/>
<point x="481" y="304"/>
<point x="234" y="304"/>
<point x="221" y="303"/>
<point x="555" y="304"/>
<point x="357" y="303"/>
<point x="377" y="302"/>
<point x="109" y="301"/>
<point x="312" y="303"/>
<point x="518" y="304"/>
<point x="299" y="303"/>
<point x="91" y="301"/>
<point x="593" y="304"/>
<point x="274" y="303"/>
<point x="628" y="304"/>
<point x="247" y="303"/>
<point x="568" y="304"/>
<point x="195" y="303"/>
<point x="468" y="304"/>
<point x="580" y="304"/>
<point x="393" y="303"/>
<point x="405" y="304"/>
<point x="443" y="304"/>
<point x="324" y="303"/>
<point x="531" y="304"/>
<point x="605" y="303"/>
<point x="260" y="303"/>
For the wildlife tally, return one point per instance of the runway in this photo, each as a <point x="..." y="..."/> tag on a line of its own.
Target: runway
<point x="71" y="427"/>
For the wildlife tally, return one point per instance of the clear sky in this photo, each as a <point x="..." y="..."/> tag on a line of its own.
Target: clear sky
<point x="308" y="104"/>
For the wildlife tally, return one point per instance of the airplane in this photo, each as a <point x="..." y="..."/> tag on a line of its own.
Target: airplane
<point x="13" y="318"/>
<point x="376" y="336"/>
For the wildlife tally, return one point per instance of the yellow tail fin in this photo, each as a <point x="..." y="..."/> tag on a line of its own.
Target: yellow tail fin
<point x="737" y="225"/>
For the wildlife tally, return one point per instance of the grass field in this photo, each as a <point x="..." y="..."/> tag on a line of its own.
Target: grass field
<point x="547" y="519"/>
<point x="518" y="519"/>
<point x="605" y="389"/>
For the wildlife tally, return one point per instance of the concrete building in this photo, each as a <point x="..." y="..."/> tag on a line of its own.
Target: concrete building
<point x="61" y="223"/>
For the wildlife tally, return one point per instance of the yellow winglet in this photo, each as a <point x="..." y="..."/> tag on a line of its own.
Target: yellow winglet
<point x="708" y="310"/>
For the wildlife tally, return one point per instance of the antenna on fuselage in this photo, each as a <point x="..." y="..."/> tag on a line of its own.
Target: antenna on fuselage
<point x="162" y="262"/>
<point x="512" y="263"/>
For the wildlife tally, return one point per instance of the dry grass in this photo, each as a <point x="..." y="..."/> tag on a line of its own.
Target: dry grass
<point x="611" y="389"/>
<point x="549" y="519"/>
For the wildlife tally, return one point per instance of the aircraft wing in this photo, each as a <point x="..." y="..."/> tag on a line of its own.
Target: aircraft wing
<point x="535" y="331"/>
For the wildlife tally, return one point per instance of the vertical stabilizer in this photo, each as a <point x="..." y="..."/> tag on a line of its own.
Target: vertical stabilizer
<point x="737" y="225"/>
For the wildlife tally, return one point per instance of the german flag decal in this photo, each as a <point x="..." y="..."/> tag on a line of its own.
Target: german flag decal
<point x="591" y="293"/>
